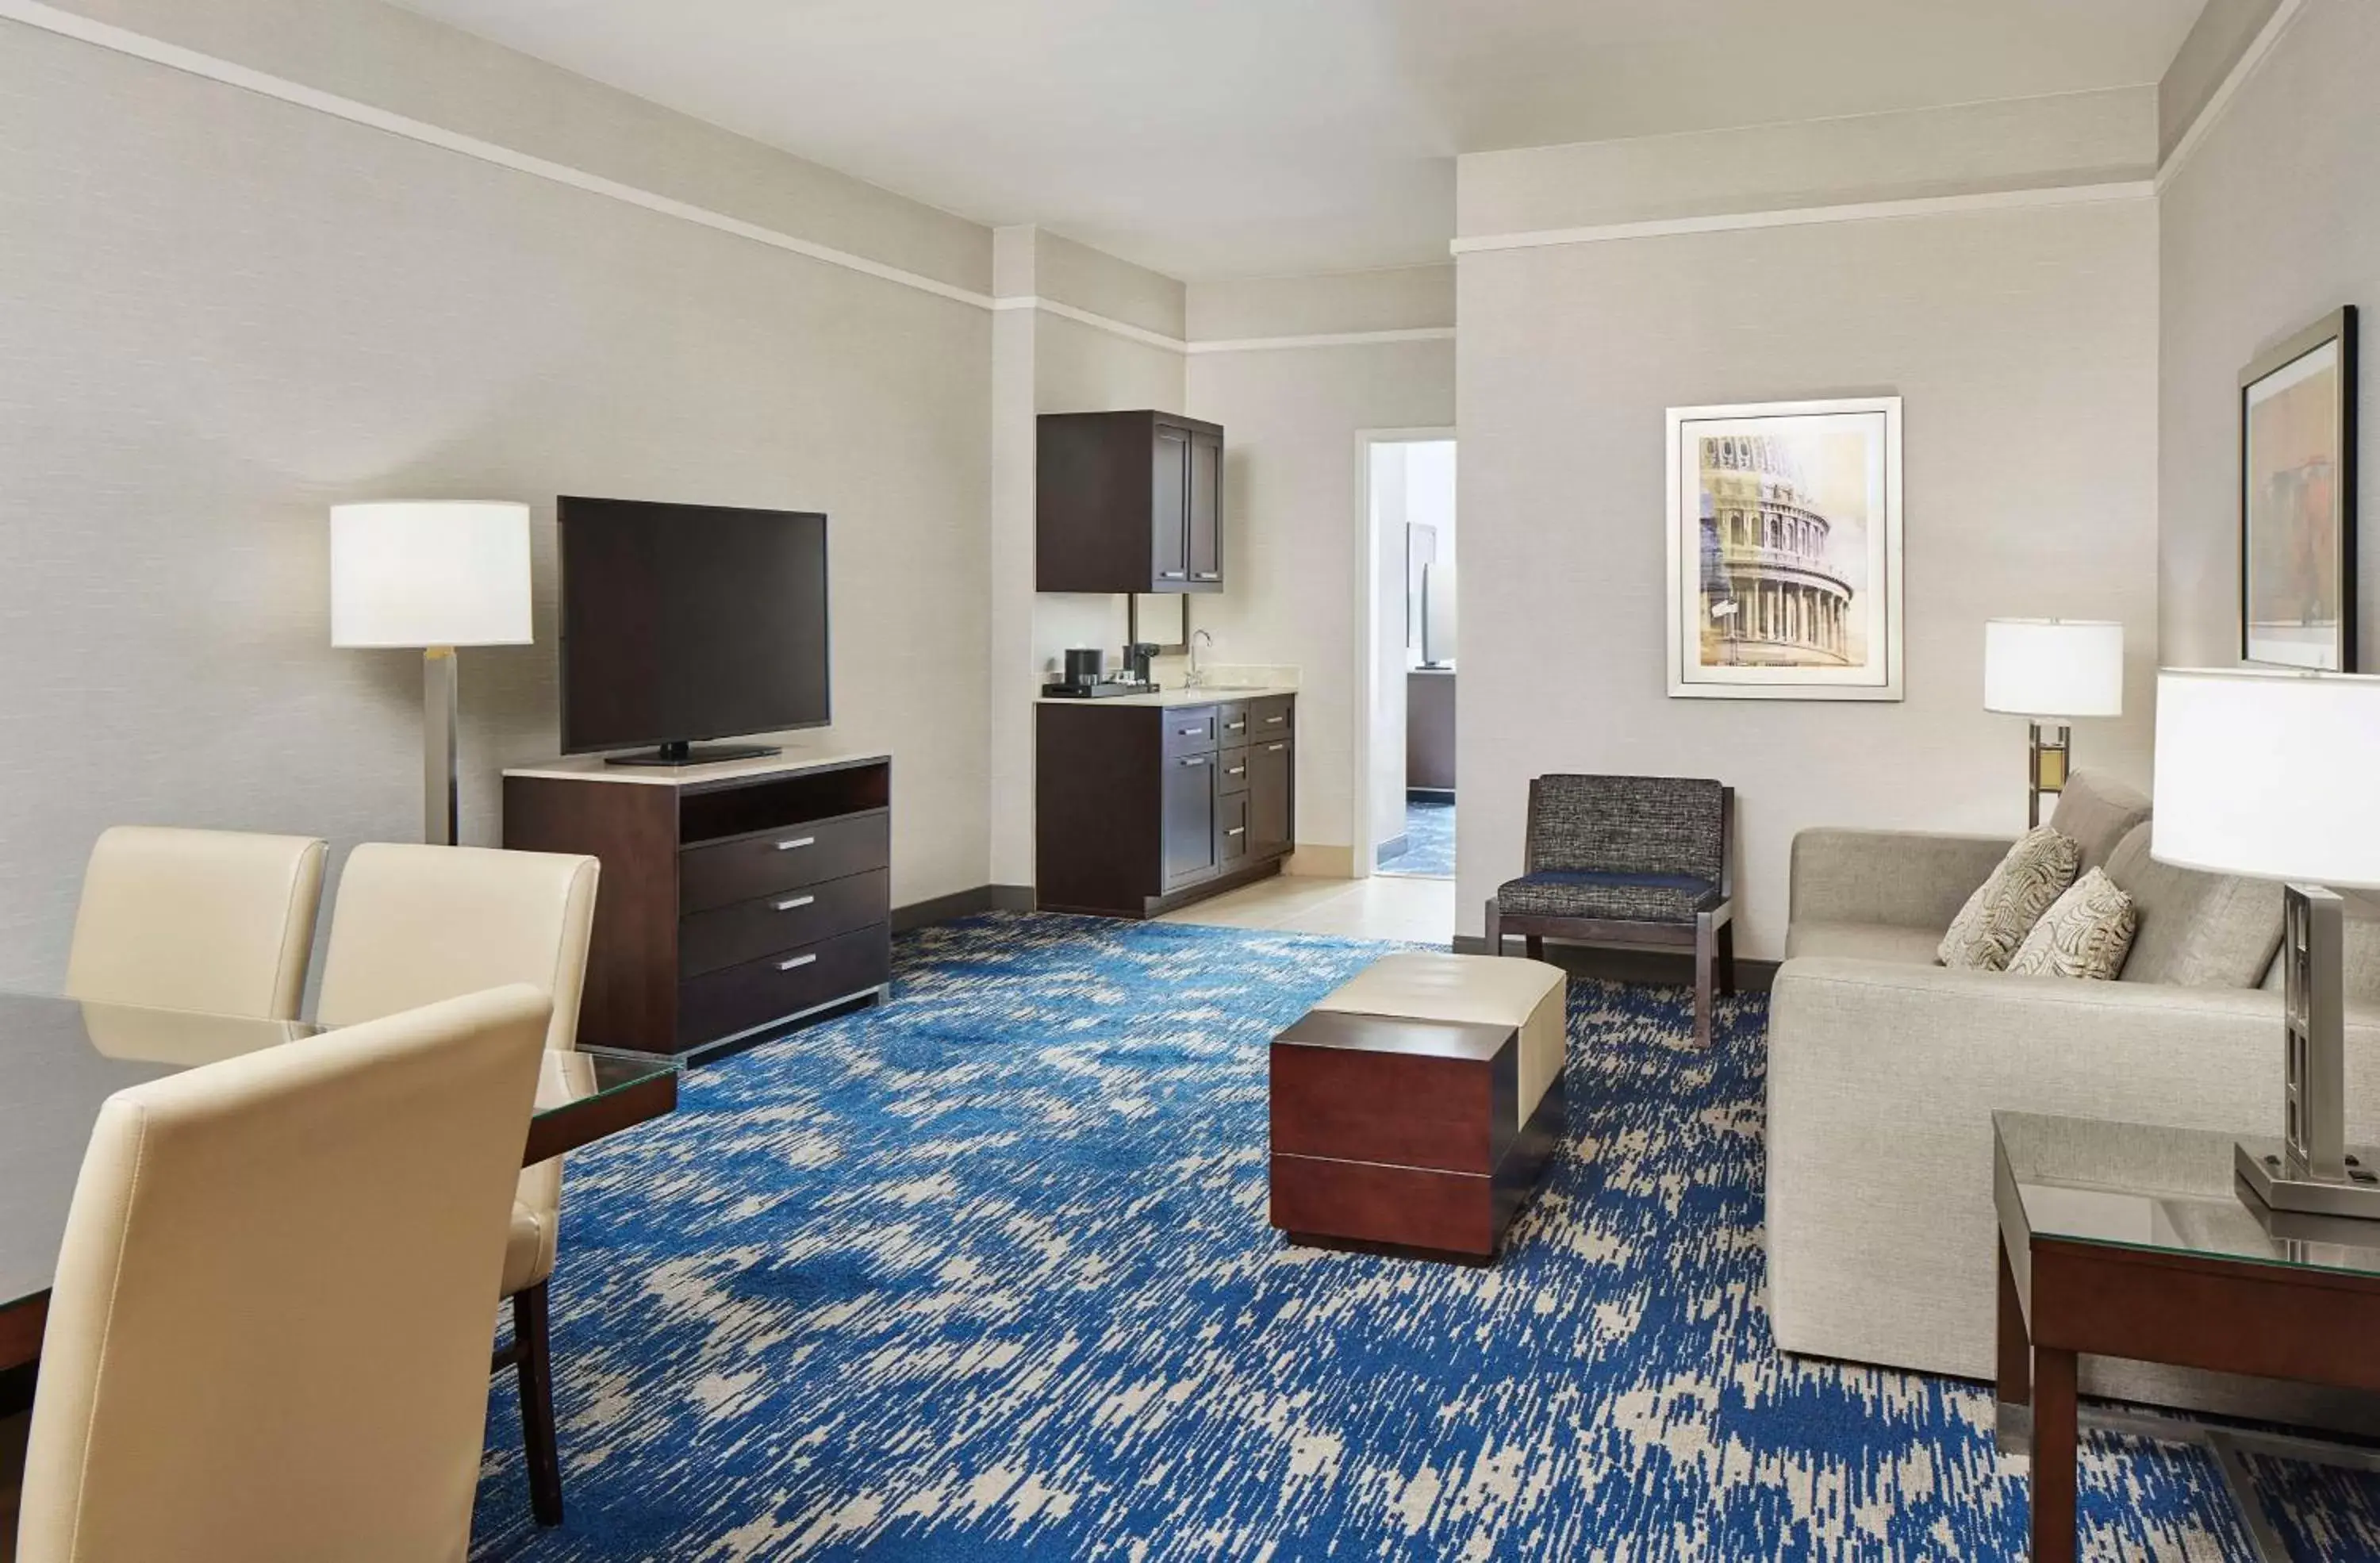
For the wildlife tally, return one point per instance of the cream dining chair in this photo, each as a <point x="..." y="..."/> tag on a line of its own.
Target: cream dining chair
<point x="220" y="921"/>
<point x="277" y="1267"/>
<point x="414" y="923"/>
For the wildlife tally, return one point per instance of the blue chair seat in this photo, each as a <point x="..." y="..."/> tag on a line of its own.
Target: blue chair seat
<point x="1609" y="897"/>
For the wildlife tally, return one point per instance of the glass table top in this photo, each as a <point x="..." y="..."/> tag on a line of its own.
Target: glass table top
<point x="2166" y="1190"/>
<point x="61" y="1059"/>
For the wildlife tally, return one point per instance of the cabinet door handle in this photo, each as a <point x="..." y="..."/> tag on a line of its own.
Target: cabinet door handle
<point x="796" y="960"/>
<point x="1169" y="575"/>
<point x="1192" y="732"/>
<point x="798" y="842"/>
<point x="1210" y="575"/>
<point x="1275" y="748"/>
<point x="1275" y="720"/>
<point x="1237" y="771"/>
<point x="1195" y="759"/>
<point x="1239" y="726"/>
<point x="1237" y="831"/>
<point x="799" y="900"/>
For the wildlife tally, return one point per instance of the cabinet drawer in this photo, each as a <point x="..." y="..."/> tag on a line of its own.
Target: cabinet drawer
<point x="804" y="914"/>
<point x="1231" y="829"/>
<point x="1231" y="770"/>
<point x="1273" y="716"/>
<point x="753" y="866"/>
<point x="1189" y="730"/>
<point x="1231" y="723"/>
<point x="723" y="1003"/>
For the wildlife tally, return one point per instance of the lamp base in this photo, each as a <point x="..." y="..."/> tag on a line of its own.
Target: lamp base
<point x="2258" y="1166"/>
<point x="683" y="753"/>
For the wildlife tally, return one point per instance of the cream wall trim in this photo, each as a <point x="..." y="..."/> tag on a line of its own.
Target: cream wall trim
<point x="67" y="24"/>
<point x="2243" y="67"/>
<point x="1328" y="339"/>
<point x="1124" y="329"/>
<point x="1796" y="216"/>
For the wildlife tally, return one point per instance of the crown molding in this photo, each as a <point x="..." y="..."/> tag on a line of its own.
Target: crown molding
<point x="2202" y="124"/>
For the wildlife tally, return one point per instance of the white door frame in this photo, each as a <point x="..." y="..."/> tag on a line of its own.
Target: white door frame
<point x="1368" y="629"/>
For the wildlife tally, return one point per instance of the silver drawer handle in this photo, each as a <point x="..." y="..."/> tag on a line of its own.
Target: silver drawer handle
<point x="799" y="901"/>
<point x="1210" y="575"/>
<point x="796" y="960"/>
<point x="1275" y="748"/>
<point x="1274" y="721"/>
<point x="1196" y="759"/>
<point x="1190" y="732"/>
<point x="798" y="842"/>
<point x="1169" y="575"/>
<point x="1237" y="831"/>
<point x="1238" y="726"/>
<point x="1237" y="771"/>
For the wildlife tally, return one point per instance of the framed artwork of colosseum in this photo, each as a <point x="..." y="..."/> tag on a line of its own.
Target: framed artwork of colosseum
<point x="1785" y="551"/>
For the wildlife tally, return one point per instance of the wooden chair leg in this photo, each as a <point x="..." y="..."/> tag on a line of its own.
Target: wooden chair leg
<point x="1536" y="947"/>
<point x="1705" y="954"/>
<point x="1727" y="959"/>
<point x="533" y="1337"/>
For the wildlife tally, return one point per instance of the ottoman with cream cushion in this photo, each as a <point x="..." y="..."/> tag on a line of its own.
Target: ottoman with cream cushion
<point x="1414" y="1108"/>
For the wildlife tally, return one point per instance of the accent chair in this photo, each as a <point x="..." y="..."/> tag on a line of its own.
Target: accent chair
<point x="414" y="923"/>
<point x="1629" y="860"/>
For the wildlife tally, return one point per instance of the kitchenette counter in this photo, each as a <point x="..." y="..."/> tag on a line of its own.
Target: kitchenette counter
<point x="1211" y="694"/>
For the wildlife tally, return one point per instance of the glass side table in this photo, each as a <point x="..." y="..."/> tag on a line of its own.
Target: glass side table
<point x="2122" y="1239"/>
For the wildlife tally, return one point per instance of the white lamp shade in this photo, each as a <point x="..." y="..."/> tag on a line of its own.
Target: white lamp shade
<point x="429" y="572"/>
<point x="2269" y="774"/>
<point x="2054" y="667"/>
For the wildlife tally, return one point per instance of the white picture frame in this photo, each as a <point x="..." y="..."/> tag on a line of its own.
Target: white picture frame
<point x="1785" y="578"/>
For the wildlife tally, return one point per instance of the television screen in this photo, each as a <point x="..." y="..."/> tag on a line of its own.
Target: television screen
<point x="687" y="622"/>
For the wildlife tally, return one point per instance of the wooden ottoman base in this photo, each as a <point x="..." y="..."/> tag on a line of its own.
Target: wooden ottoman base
<point x="1402" y="1135"/>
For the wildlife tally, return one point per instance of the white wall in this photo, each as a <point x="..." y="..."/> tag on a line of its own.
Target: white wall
<point x="220" y="312"/>
<point x="2025" y="344"/>
<point x="1293" y="532"/>
<point x="2272" y="221"/>
<point x="1390" y="515"/>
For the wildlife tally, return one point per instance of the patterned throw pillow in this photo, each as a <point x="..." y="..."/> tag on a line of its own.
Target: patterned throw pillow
<point x="2002" y="911"/>
<point x="2087" y="934"/>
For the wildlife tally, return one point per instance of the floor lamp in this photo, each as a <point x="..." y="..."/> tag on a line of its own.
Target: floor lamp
<point x="2270" y="775"/>
<point x="432" y="575"/>
<point x="2052" y="671"/>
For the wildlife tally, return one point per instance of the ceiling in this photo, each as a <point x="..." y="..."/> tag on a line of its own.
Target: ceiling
<point x="1265" y="136"/>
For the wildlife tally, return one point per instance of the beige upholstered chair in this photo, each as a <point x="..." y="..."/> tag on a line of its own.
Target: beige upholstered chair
<point x="414" y="923"/>
<point x="213" y="920"/>
<point x="278" y="1266"/>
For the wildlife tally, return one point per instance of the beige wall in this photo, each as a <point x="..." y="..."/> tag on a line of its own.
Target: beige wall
<point x="2273" y="220"/>
<point x="1291" y="535"/>
<point x="223" y="312"/>
<point x="2223" y="33"/>
<point x="2025" y="344"/>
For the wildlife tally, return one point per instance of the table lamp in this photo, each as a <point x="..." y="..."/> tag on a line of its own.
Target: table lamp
<point x="2270" y="775"/>
<point x="2052" y="671"/>
<point x="436" y="574"/>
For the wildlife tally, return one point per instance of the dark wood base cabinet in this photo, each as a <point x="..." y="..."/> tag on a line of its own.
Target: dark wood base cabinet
<point x="735" y="899"/>
<point x="1144" y="808"/>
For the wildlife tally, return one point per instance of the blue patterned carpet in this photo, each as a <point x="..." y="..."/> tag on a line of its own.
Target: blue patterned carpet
<point x="985" y="1275"/>
<point x="1429" y="840"/>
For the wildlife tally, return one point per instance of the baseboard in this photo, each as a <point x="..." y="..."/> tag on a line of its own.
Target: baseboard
<point x="962" y="903"/>
<point x="1394" y="847"/>
<point x="1650" y="968"/>
<point x="1321" y="862"/>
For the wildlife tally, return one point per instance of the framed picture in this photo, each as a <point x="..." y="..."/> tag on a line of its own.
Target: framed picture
<point x="2297" y="500"/>
<point x="1785" y="551"/>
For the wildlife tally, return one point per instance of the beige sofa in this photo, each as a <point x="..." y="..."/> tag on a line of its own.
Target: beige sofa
<point x="1883" y="1070"/>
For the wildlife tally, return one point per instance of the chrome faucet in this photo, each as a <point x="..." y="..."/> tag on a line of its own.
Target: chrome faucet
<point x="1196" y="677"/>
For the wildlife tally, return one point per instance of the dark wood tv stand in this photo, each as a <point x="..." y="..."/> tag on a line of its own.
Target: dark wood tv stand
<point x="737" y="899"/>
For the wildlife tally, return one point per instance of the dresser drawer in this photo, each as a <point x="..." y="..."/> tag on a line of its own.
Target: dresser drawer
<point x="1272" y="717"/>
<point x="1231" y="723"/>
<point x="727" y="872"/>
<point x="788" y="918"/>
<point x="726" y="1003"/>
<point x="1231" y="829"/>
<point x="1189" y="730"/>
<point x="1231" y="770"/>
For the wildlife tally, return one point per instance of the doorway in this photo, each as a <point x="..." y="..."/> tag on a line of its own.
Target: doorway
<point x="1406" y="754"/>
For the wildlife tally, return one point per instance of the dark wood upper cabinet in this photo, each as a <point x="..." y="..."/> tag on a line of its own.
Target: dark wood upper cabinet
<point x="1128" y="502"/>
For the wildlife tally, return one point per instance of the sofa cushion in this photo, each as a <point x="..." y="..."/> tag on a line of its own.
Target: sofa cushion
<point x="2099" y="812"/>
<point x="2005" y="906"/>
<point x="2087" y="933"/>
<point x="1862" y="941"/>
<point x="2196" y="930"/>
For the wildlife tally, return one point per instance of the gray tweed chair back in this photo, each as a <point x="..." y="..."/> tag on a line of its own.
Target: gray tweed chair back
<point x="1628" y="825"/>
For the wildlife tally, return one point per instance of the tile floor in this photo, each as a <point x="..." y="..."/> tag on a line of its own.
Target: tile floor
<point x="1421" y="911"/>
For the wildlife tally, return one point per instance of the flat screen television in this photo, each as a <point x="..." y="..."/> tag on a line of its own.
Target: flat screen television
<point x="682" y="623"/>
